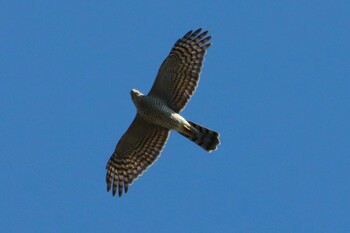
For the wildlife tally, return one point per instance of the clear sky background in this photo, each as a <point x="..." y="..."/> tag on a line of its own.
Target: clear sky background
<point x="275" y="84"/>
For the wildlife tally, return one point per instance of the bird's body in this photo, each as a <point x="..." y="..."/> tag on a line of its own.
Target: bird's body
<point x="154" y="110"/>
<point x="158" y="113"/>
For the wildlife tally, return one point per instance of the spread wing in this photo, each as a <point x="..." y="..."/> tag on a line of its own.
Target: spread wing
<point x="138" y="148"/>
<point x="178" y="75"/>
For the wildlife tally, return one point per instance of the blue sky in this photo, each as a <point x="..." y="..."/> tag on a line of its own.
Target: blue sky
<point x="275" y="84"/>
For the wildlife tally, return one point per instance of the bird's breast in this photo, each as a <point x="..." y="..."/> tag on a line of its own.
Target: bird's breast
<point x="155" y="111"/>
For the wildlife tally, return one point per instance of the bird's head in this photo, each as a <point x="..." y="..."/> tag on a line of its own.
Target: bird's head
<point x="135" y="94"/>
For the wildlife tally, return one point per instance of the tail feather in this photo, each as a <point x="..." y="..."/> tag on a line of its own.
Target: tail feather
<point x="204" y="137"/>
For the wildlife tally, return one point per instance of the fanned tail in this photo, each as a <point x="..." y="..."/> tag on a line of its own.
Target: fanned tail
<point x="203" y="137"/>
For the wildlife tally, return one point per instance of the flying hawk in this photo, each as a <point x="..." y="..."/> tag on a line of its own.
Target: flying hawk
<point x="158" y="113"/>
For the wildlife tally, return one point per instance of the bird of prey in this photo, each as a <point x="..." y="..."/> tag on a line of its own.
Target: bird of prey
<point x="158" y="113"/>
